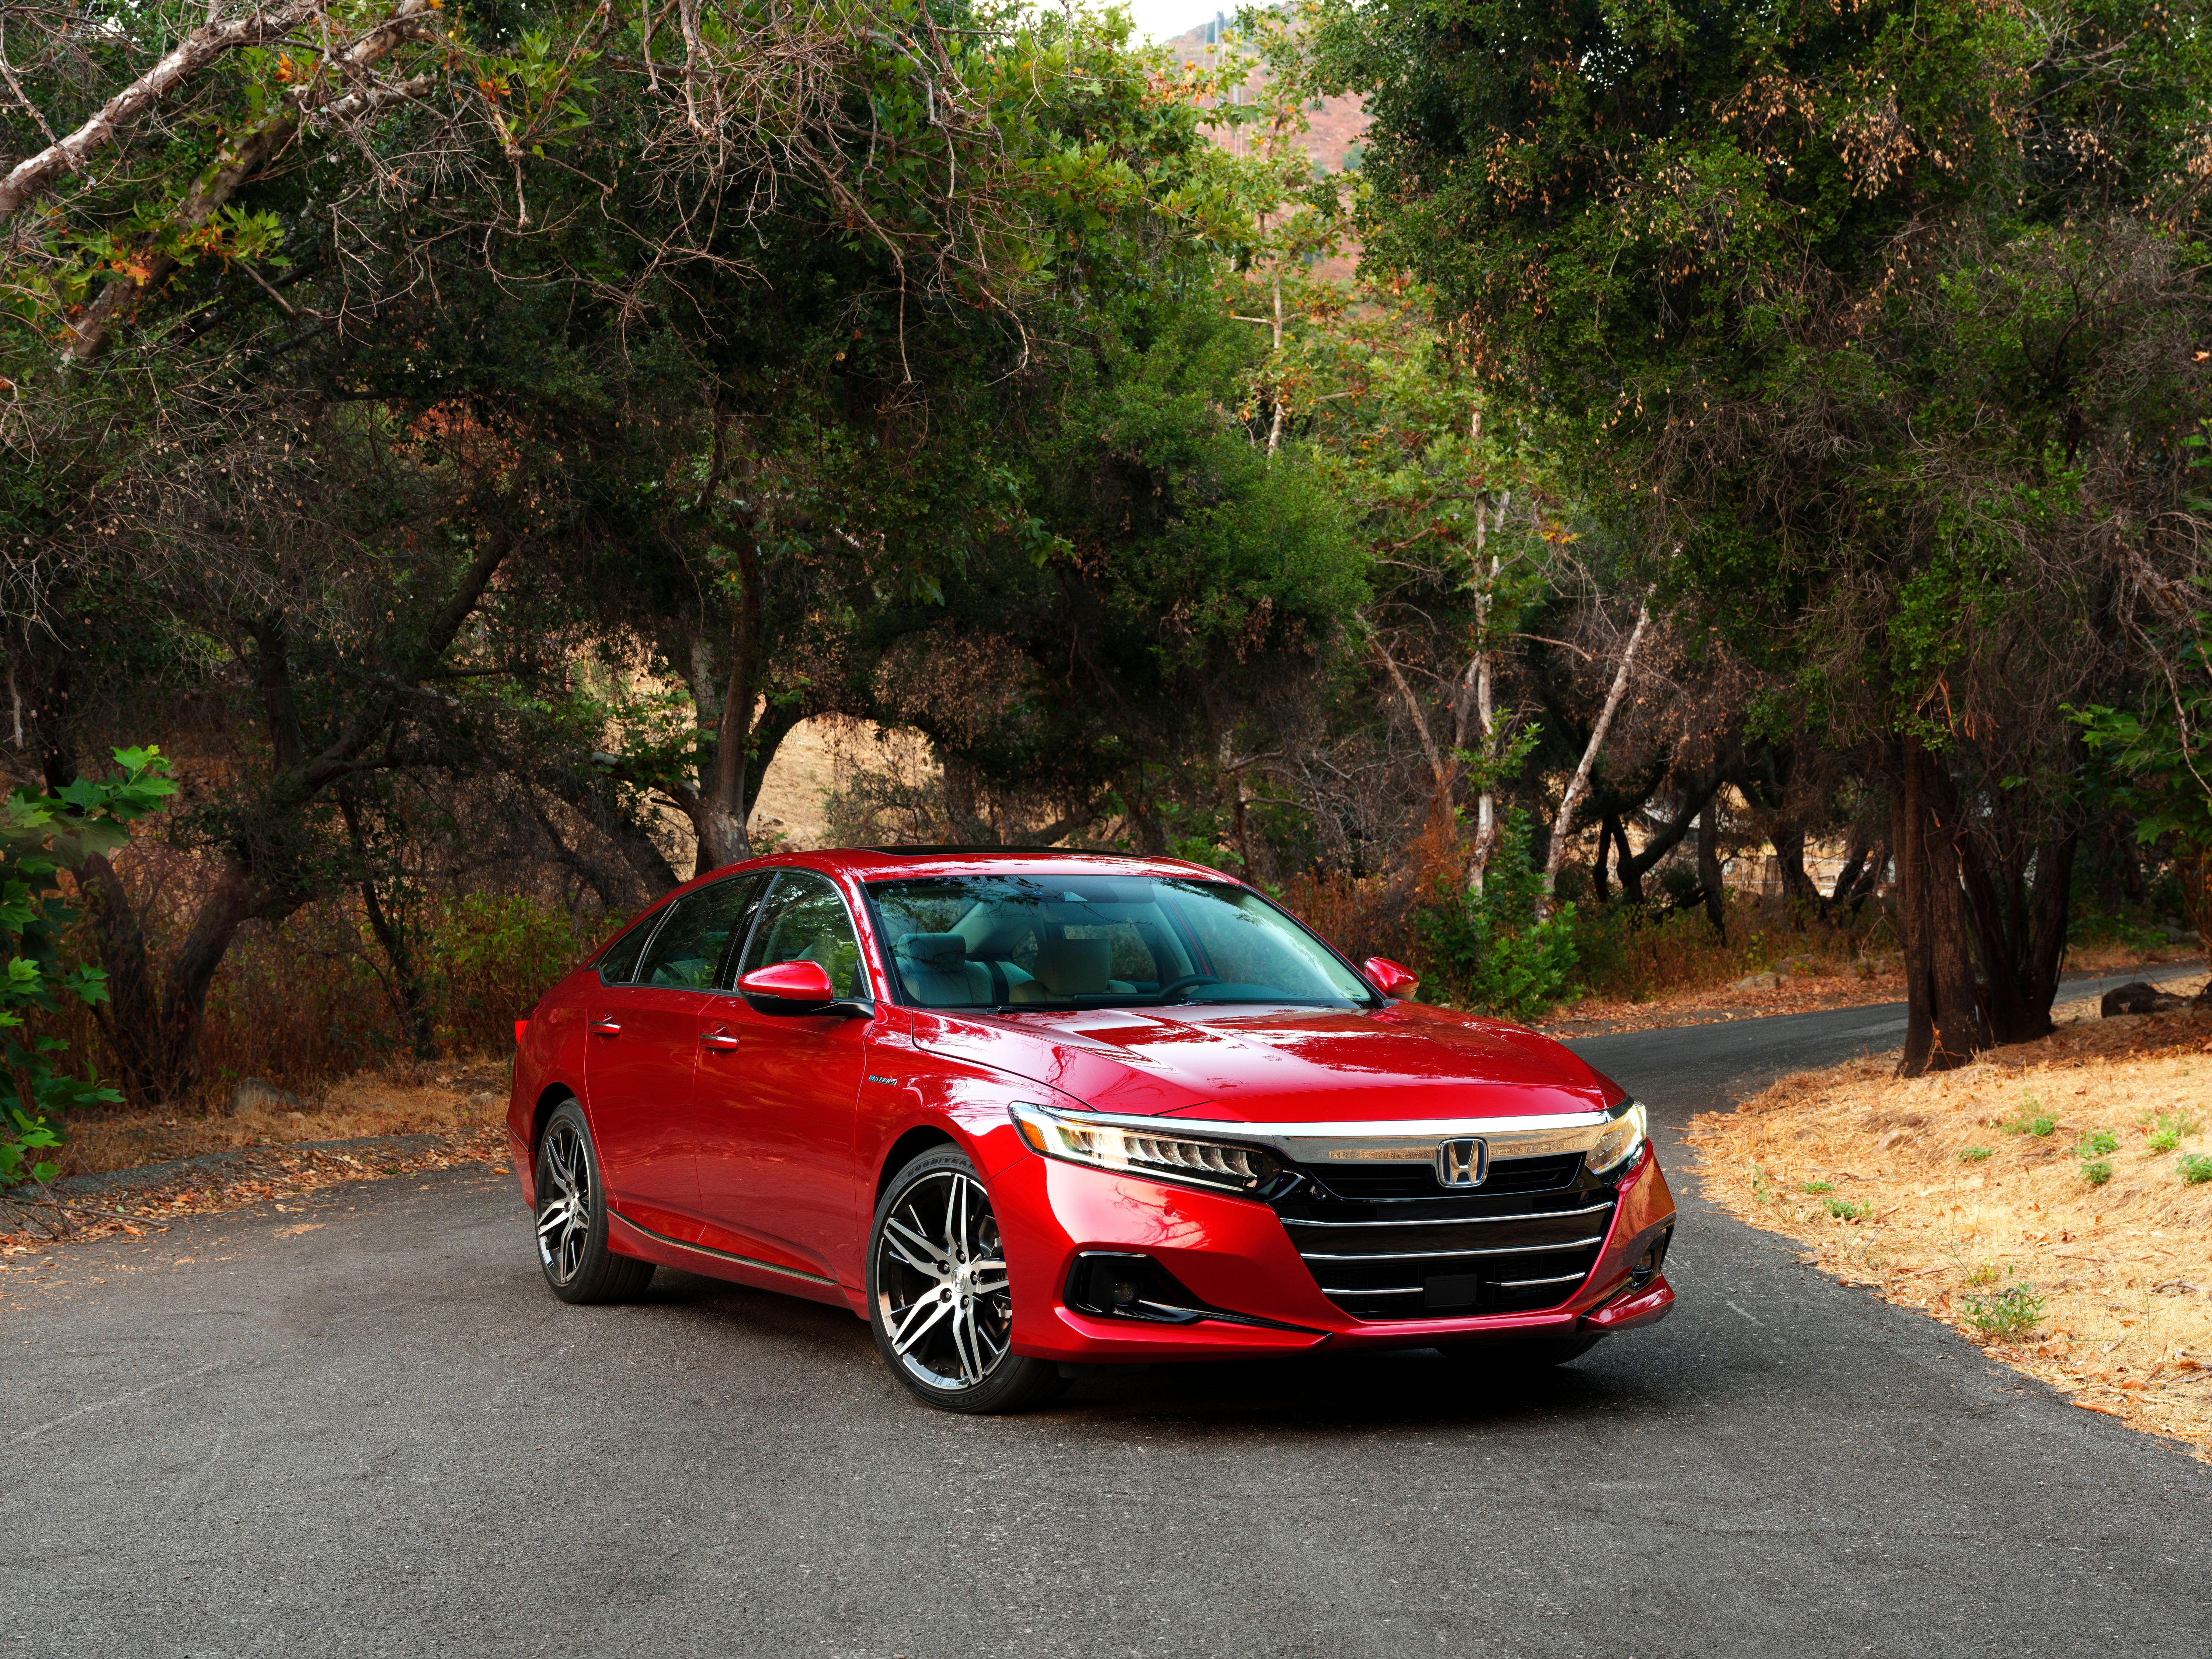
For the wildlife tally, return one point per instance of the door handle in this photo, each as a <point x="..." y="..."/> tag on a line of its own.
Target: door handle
<point x="720" y="1040"/>
<point x="603" y="1026"/>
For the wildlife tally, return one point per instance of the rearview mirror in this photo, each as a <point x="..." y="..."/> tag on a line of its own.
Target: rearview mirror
<point x="1392" y="978"/>
<point x="797" y="987"/>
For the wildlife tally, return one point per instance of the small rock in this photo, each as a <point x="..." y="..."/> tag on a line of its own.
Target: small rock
<point x="1758" y="983"/>
<point x="483" y="1097"/>
<point x="2139" y="996"/>
<point x="252" y="1095"/>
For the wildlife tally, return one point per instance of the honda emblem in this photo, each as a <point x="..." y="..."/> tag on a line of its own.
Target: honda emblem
<point x="1461" y="1164"/>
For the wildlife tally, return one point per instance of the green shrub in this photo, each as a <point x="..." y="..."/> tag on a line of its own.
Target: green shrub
<point x="1487" y="949"/>
<point x="2099" y="1143"/>
<point x="41" y="836"/>
<point x="2029" y="1120"/>
<point x="2097" y="1171"/>
<point x="2007" y="1315"/>
<point x="2172" y="1128"/>
<point x="1973" y="1154"/>
<point x="2196" y="1169"/>
<point x="1820" y="1186"/>
<point x="1844" y="1210"/>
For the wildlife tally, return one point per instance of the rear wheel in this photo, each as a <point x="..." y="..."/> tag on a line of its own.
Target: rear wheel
<point x="572" y="1217"/>
<point x="939" y="1301"/>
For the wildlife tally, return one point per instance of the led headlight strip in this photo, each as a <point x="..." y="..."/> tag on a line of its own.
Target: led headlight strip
<point x="1619" y="1142"/>
<point x="1222" y="1166"/>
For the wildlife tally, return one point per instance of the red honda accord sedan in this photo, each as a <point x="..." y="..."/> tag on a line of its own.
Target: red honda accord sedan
<point x="1026" y="1112"/>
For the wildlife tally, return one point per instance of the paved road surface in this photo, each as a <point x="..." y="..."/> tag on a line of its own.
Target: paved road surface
<point x="382" y="1437"/>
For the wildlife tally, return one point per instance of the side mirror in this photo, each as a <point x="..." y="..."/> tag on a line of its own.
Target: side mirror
<point x="1392" y="978"/>
<point x="796" y="988"/>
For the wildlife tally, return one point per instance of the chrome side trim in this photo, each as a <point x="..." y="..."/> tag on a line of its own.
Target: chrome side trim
<point x="1459" y="1220"/>
<point x="1530" y="1284"/>
<point x="1438" y="1255"/>
<point x="1397" y="1140"/>
<point x="719" y="1256"/>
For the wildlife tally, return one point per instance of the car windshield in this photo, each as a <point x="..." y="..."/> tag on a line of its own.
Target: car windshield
<point x="1046" y="940"/>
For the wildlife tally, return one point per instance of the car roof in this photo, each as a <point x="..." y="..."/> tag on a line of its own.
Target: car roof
<point x="888" y="863"/>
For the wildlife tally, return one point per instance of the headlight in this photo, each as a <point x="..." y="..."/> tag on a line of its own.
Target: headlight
<point x="1620" y="1140"/>
<point x="1220" y="1165"/>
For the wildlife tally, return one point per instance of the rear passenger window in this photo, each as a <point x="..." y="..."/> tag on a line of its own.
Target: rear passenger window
<point x="687" y="952"/>
<point x="618" y="961"/>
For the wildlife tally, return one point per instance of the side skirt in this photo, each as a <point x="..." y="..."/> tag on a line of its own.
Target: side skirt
<point x="634" y="1238"/>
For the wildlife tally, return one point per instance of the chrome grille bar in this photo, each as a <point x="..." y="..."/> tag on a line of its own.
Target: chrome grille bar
<point x="1459" y="1220"/>
<point x="1436" y="1255"/>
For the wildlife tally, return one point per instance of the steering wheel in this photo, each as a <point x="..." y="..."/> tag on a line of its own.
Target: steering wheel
<point x="1190" y="979"/>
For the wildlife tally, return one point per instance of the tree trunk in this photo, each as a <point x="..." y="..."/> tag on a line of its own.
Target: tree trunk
<point x="1711" y="888"/>
<point x="1609" y="832"/>
<point x="1853" y="872"/>
<point x="1633" y="870"/>
<point x="408" y="990"/>
<point x="157" y="1046"/>
<point x="1944" y="1027"/>
<point x="1564" y="822"/>
<point x="721" y="816"/>
<point x="2021" y="936"/>
<point x="1797" y="888"/>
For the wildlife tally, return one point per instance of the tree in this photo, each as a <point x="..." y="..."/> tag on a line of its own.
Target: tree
<point x="1884" y="318"/>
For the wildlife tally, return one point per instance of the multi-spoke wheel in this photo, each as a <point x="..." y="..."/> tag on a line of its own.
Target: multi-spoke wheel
<point x="572" y="1217"/>
<point x="938" y="1296"/>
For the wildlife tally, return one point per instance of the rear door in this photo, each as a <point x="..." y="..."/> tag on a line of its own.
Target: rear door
<point x="641" y="1045"/>
<point x="777" y="1094"/>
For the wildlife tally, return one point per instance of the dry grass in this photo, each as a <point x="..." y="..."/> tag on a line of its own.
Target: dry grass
<point x="460" y="1099"/>
<point x="2123" y="1269"/>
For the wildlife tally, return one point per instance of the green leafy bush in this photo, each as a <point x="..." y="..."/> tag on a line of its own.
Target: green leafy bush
<point x="2097" y="1170"/>
<point x="2196" y="1169"/>
<point x="2029" y="1120"/>
<point x="1488" y="950"/>
<point x="2099" y="1143"/>
<point x="2172" y="1126"/>
<point x="2007" y="1314"/>
<point x="1973" y="1154"/>
<point x="1844" y="1210"/>
<point x="41" y="836"/>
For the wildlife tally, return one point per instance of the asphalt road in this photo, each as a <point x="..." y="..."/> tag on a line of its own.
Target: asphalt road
<point x="382" y="1435"/>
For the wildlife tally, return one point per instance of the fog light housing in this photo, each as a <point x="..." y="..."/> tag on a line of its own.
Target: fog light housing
<point x="1649" y="1264"/>
<point x="1115" y="1284"/>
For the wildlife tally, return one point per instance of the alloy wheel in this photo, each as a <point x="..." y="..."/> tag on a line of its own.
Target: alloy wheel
<point x="941" y="1282"/>
<point x="564" y="1204"/>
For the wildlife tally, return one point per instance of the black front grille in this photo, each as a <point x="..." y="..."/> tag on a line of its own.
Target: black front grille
<point x="1397" y="1180"/>
<point x="1387" y="1242"/>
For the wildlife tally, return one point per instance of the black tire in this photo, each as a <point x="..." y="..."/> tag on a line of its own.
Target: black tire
<point x="572" y="1217"/>
<point x="1506" y="1358"/>
<point x="943" y="1318"/>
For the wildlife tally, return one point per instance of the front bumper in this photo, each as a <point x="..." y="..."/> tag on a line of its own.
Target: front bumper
<point x="1236" y="1255"/>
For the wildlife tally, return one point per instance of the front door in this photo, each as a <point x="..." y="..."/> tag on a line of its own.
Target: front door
<point x="777" y="1095"/>
<point x="641" y="1046"/>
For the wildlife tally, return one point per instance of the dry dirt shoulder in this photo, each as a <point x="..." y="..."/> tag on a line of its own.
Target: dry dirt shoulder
<point x="2053" y="1200"/>
<point x="127" y="1173"/>
<point x="1821" y="985"/>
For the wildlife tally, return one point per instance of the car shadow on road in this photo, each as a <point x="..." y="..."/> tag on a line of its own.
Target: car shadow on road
<point x="1408" y="1388"/>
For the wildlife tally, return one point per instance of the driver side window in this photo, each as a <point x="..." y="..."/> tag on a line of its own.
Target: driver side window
<point x="806" y="920"/>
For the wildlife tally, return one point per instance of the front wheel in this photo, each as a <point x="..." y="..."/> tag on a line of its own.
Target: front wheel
<point x="939" y="1301"/>
<point x="572" y="1217"/>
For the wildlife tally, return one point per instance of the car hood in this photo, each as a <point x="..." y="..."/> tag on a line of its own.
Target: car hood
<point x="1277" y="1065"/>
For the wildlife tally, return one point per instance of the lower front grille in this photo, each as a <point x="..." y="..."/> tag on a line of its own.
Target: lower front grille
<point x="1441" y="1255"/>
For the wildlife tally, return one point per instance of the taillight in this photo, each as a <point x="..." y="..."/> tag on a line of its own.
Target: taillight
<point x="521" y="1029"/>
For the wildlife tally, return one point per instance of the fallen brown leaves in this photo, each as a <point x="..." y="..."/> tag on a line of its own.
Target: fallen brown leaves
<point x="1877" y="1175"/>
<point x="462" y="1108"/>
